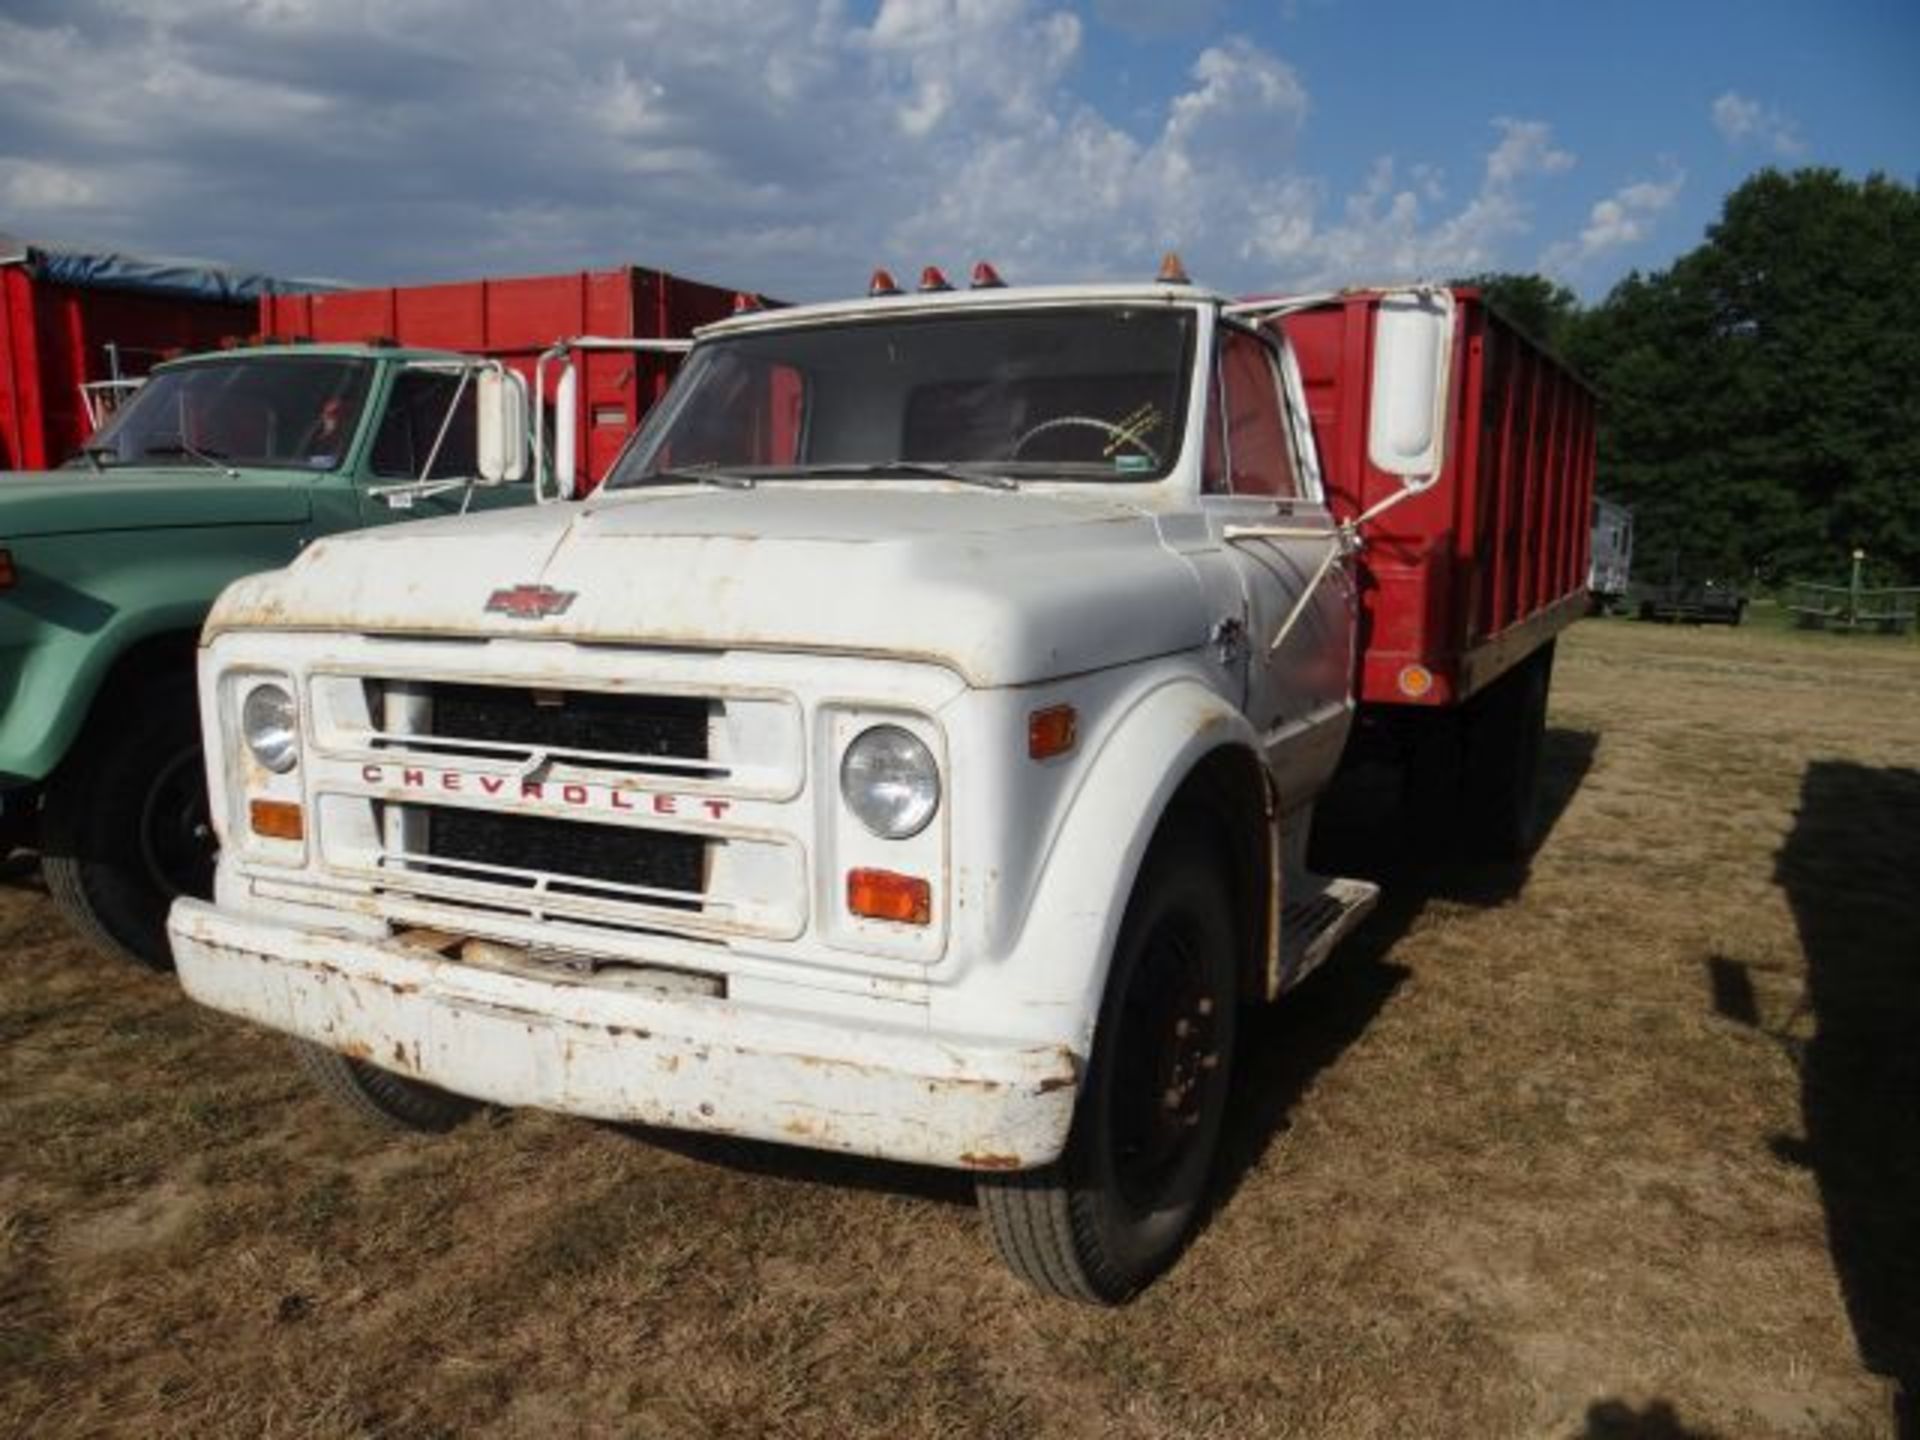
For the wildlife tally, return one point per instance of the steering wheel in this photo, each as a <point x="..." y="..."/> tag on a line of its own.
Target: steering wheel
<point x="1121" y="435"/>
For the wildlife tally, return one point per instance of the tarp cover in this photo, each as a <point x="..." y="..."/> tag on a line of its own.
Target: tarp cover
<point x="108" y="270"/>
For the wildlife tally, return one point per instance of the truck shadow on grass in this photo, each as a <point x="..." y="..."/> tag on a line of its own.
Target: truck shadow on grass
<point x="1851" y="871"/>
<point x="1363" y="832"/>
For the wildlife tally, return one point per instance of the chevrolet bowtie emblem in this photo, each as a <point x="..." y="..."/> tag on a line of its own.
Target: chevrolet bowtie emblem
<point x="530" y="602"/>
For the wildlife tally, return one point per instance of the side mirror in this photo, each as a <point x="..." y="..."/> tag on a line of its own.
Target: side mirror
<point x="501" y="406"/>
<point x="1412" y="356"/>
<point x="566" y="431"/>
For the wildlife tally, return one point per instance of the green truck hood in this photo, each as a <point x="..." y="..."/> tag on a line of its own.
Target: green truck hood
<point x="66" y="502"/>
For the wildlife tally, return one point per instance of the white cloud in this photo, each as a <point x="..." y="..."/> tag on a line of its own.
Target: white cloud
<point x="28" y="188"/>
<point x="784" y="147"/>
<point x="1623" y="219"/>
<point x="1741" y="121"/>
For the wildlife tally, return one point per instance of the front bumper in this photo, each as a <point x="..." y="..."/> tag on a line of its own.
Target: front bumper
<point x="684" y="1062"/>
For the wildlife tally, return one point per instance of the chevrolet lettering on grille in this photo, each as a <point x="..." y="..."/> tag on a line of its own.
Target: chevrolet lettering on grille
<point x="608" y="798"/>
<point x="530" y="602"/>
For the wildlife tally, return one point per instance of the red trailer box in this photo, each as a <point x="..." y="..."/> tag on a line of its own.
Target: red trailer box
<point x="514" y="320"/>
<point x="1465" y="579"/>
<point x="72" y="319"/>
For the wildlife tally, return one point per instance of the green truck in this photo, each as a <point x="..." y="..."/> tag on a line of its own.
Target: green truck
<point x="218" y="466"/>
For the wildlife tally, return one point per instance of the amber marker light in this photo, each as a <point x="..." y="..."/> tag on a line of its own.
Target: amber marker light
<point x="276" y="819"/>
<point x="1416" y="682"/>
<point x="1052" y="731"/>
<point x="883" y="895"/>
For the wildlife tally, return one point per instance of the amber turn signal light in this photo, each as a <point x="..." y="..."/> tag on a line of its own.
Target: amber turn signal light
<point x="1052" y="731"/>
<point x="277" y="819"/>
<point x="883" y="895"/>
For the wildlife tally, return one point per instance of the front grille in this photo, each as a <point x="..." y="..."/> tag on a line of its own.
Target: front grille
<point x="670" y="726"/>
<point x="586" y="729"/>
<point x="571" y="792"/>
<point x="563" y="851"/>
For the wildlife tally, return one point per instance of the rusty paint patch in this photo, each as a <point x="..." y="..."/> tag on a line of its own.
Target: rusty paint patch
<point x="974" y="1160"/>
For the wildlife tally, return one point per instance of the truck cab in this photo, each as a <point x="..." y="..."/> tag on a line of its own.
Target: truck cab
<point x="217" y="465"/>
<point x="910" y="750"/>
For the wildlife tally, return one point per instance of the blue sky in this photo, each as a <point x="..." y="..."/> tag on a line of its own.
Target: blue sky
<point x="789" y="146"/>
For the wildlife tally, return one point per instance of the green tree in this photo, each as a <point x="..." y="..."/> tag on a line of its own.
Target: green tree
<point x="1761" y="397"/>
<point x="1542" y="308"/>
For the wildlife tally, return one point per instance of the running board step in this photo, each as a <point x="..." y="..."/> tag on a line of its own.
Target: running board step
<point x="1320" y="912"/>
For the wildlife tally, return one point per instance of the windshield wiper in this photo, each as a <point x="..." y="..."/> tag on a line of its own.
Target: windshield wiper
<point x="206" y="457"/>
<point x="705" y="474"/>
<point x="927" y="469"/>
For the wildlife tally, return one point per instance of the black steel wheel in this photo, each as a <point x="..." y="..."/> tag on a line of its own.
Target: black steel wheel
<point x="1121" y="1204"/>
<point x="126" y="829"/>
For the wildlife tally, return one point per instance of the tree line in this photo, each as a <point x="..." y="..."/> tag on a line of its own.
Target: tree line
<point x="1760" y="397"/>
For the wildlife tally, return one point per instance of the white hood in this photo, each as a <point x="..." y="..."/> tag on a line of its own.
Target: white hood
<point x="1006" y="588"/>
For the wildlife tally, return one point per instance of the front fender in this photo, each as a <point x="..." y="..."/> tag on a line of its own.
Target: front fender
<point x="83" y="602"/>
<point x="1049" y="984"/>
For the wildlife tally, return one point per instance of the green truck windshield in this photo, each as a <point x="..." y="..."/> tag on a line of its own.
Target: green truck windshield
<point x="282" y="411"/>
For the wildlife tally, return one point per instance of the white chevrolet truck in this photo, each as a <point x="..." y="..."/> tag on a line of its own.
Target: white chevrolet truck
<point x="909" y="751"/>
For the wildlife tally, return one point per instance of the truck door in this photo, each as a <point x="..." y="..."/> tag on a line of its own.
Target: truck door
<point x="427" y="432"/>
<point x="1259" y="473"/>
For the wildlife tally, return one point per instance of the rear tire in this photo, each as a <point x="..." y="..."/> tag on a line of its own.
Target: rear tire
<point x="389" y="1100"/>
<point x="1122" y="1202"/>
<point x="1505" y="733"/>
<point x="125" y="828"/>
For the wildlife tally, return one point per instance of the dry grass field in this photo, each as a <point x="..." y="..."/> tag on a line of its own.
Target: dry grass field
<point x="1627" y="1145"/>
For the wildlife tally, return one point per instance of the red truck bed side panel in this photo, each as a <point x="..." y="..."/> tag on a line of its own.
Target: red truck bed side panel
<point x="1488" y="564"/>
<point x="54" y="338"/>
<point x="513" y="320"/>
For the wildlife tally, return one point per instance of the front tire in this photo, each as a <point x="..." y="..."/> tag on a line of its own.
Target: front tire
<point x="125" y="828"/>
<point x="1122" y="1202"/>
<point x="387" y="1099"/>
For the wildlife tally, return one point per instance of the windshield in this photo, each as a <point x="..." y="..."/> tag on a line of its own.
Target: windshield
<point x="1077" y="393"/>
<point x="295" y="411"/>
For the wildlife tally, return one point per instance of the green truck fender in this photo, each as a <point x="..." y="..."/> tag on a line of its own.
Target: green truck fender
<point x="84" y="604"/>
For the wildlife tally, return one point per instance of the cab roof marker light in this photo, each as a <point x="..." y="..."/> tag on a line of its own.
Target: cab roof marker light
<point x="1173" y="270"/>
<point x="882" y="283"/>
<point x="932" y="280"/>
<point x="985" y="277"/>
<point x="745" y="302"/>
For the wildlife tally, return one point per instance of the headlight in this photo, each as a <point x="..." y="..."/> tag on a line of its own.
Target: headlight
<point x="271" y="728"/>
<point x="889" y="780"/>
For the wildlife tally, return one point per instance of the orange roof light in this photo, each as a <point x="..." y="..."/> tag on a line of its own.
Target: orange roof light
<point x="745" y="302"/>
<point x="277" y="819"/>
<point x="932" y="279"/>
<point x="1052" y="731"/>
<point x="1172" y="270"/>
<point x="882" y="283"/>
<point x="883" y="895"/>
<point x="985" y="277"/>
